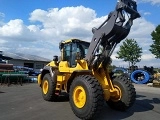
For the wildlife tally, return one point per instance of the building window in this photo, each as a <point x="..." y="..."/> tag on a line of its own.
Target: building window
<point x="39" y="66"/>
<point x="30" y="65"/>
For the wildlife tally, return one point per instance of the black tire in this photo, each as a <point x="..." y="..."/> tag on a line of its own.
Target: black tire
<point x="49" y="94"/>
<point x="128" y="94"/>
<point x="94" y="97"/>
<point x="127" y="75"/>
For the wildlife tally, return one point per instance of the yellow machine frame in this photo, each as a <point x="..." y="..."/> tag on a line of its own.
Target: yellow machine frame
<point x="66" y="74"/>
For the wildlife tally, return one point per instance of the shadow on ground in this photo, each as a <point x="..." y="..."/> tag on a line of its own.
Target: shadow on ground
<point x="2" y="92"/>
<point x="140" y="105"/>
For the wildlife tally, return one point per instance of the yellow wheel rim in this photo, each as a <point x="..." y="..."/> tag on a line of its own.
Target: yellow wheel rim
<point x="118" y="95"/>
<point x="79" y="96"/>
<point x="45" y="87"/>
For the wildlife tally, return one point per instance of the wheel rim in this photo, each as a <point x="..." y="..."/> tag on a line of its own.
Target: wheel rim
<point x="45" y="87"/>
<point x="79" y="96"/>
<point x="118" y="96"/>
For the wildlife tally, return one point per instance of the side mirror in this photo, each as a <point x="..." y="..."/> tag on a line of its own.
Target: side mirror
<point x="55" y="58"/>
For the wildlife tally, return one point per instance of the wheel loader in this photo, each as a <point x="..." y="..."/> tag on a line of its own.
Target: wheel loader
<point x="82" y="70"/>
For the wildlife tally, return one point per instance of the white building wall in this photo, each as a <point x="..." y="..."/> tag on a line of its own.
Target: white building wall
<point x="16" y="62"/>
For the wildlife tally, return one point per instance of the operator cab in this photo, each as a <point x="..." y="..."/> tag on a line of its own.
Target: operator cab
<point x="73" y="50"/>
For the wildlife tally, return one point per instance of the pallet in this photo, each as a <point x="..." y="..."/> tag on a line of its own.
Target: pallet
<point x="156" y="83"/>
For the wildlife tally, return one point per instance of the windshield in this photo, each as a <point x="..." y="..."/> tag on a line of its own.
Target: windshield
<point x="83" y="48"/>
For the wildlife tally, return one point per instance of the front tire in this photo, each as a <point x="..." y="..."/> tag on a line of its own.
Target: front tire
<point x="48" y="87"/>
<point x="127" y="94"/>
<point x="86" y="97"/>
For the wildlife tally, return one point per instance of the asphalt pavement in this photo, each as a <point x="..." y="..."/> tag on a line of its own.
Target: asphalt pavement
<point x="26" y="103"/>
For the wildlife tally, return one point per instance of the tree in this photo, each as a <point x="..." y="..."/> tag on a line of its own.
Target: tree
<point x="155" y="47"/>
<point x="130" y="52"/>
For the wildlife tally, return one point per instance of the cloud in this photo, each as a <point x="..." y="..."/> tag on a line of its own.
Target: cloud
<point x="147" y="13"/>
<point x="148" y="57"/>
<point x="48" y="27"/>
<point x="2" y="15"/>
<point x="12" y="28"/>
<point x="141" y="32"/>
<point x="154" y="2"/>
<point x="62" y="23"/>
<point x="15" y="30"/>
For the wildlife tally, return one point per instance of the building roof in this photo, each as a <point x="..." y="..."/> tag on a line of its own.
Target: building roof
<point x="21" y="56"/>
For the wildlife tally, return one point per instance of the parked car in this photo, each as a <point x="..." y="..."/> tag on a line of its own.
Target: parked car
<point x="26" y="70"/>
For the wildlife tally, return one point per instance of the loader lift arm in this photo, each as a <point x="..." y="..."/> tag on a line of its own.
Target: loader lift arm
<point x="114" y="29"/>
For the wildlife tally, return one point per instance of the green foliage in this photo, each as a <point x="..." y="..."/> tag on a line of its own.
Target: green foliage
<point x="155" y="47"/>
<point x="111" y="68"/>
<point x="130" y="52"/>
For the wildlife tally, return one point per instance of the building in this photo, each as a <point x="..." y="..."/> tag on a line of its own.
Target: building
<point x="26" y="60"/>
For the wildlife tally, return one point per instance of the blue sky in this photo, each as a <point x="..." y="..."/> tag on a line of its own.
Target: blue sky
<point x="14" y="9"/>
<point x="22" y="8"/>
<point x="36" y="26"/>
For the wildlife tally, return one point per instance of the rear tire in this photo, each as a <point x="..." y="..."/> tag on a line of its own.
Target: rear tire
<point x="48" y="87"/>
<point x="86" y="97"/>
<point x="127" y="91"/>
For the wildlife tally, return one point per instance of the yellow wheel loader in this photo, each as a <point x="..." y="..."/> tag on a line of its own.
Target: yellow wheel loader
<point x="82" y="70"/>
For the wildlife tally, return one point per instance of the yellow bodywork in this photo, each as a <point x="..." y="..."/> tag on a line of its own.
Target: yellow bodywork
<point x="65" y="74"/>
<point x="101" y="75"/>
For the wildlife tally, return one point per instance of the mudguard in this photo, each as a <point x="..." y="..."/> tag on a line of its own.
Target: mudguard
<point x="46" y="69"/>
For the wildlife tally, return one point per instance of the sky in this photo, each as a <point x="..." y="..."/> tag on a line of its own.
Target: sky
<point x="37" y="26"/>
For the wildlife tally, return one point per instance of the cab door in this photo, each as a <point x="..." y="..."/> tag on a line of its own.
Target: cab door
<point x="69" y="54"/>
